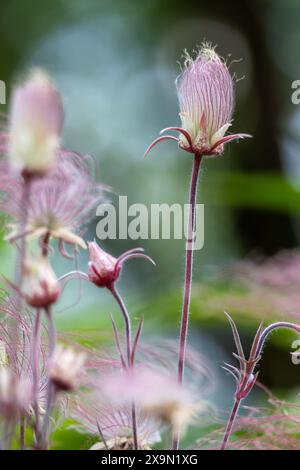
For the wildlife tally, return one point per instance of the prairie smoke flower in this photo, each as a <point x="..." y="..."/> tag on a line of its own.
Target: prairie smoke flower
<point x="166" y="401"/>
<point x="36" y="118"/>
<point x="120" y="443"/>
<point x="15" y="394"/>
<point x="157" y="394"/>
<point x="206" y="100"/>
<point x="65" y="368"/>
<point x="104" y="269"/>
<point x="113" y="424"/>
<point x="40" y="286"/>
<point x="59" y="204"/>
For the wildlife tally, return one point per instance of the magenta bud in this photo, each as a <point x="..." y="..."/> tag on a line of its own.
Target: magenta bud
<point x="104" y="269"/>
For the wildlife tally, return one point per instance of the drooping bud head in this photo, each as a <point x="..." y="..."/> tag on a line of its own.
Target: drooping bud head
<point x="40" y="285"/>
<point x="103" y="269"/>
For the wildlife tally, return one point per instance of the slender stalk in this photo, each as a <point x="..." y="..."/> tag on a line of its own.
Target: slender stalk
<point x="230" y="423"/>
<point x="19" y="282"/>
<point x="23" y="222"/>
<point x="50" y="388"/>
<point x="127" y="323"/>
<point x="22" y="432"/>
<point x="35" y="373"/>
<point x="188" y="277"/>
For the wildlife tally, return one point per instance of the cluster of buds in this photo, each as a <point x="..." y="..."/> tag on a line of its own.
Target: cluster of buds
<point x="15" y="394"/>
<point x="65" y="368"/>
<point x="36" y="119"/>
<point x="206" y="98"/>
<point x="245" y="376"/>
<point x="40" y="286"/>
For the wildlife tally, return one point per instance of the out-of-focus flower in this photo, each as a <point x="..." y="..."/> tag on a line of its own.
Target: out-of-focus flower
<point x="206" y="100"/>
<point x="103" y="407"/>
<point x="114" y="423"/>
<point x="104" y="269"/>
<point x="15" y="394"/>
<point x="36" y="118"/>
<point x="165" y="400"/>
<point x="59" y="204"/>
<point x="40" y="286"/>
<point x="120" y="443"/>
<point x="65" y="368"/>
<point x="157" y="394"/>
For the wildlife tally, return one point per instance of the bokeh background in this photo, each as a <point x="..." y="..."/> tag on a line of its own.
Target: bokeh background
<point x="115" y="63"/>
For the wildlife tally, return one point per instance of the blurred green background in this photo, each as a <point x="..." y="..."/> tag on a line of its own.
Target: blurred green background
<point x="115" y="63"/>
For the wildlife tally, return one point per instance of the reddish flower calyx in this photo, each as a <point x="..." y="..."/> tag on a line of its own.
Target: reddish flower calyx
<point x="104" y="269"/>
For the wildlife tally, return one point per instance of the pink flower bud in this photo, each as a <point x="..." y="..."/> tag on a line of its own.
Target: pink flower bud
<point x="103" y="268"/>
<point x="206" y="99"/>
<point x="40" y="285"/>
<point x="36" y="119"/>
<point x="205" y="94"/>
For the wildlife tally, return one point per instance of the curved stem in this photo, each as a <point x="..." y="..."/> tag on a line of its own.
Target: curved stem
<point x="127" y="323"/>
<point x="270" y="328"/>
<point x="188" y="277"/>
<point x="230" y="423"/>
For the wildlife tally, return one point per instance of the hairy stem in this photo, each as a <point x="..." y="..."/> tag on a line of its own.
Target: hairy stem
<point x="22" y="432"/>
<point x="22" y="229"/>
<point x="188" y="277"/>
<point x="35" y="374"/>
<point x="230" y="423"/>
<point x="50" y="388"/>
<point x="19" y="282"/>
<point x="127" y="323"/>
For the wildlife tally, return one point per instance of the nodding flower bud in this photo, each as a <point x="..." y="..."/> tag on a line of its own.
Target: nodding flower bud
<point x="36" y="118"/>
<point x="103" y="268"/>
<point x="40" y="286"/>
<point x="65" y="368"/>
